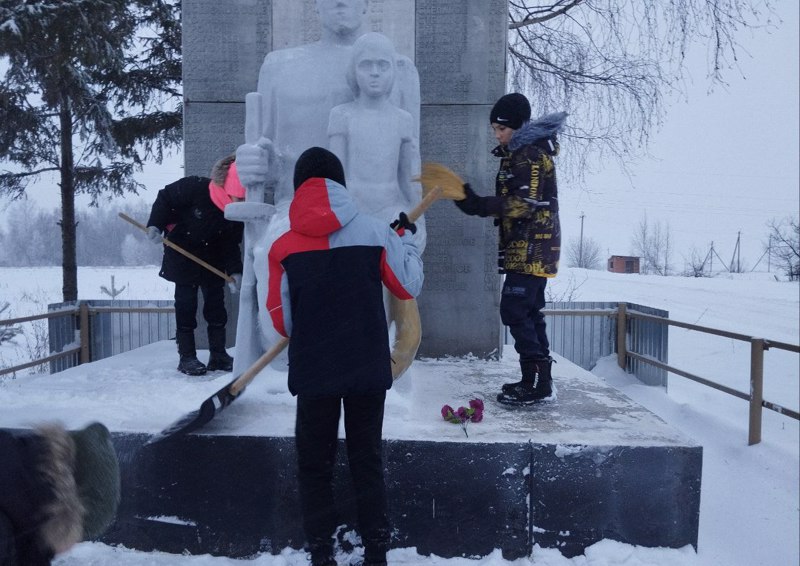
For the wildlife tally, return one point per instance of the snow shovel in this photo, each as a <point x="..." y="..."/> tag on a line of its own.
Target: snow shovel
<point x="221" y="399"/>
<point x="179" y="249"/>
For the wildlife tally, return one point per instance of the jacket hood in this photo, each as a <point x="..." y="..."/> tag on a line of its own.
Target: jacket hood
<point x="535" y="131"/>
<point x="320" y="207"/>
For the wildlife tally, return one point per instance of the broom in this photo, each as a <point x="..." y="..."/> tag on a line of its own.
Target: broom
<point x="437" y="175"/>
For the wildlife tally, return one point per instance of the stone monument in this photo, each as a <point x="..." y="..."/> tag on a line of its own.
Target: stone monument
<point x="458" y="48"/>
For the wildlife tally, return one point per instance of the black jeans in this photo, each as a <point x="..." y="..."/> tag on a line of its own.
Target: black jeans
<point x="521" y="310"/>
<point x="186" y="306"/>
<point x="316" y="431"/>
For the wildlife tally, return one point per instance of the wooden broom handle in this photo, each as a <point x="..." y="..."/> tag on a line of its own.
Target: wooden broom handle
<point x="432" y="196"/>
<point x="250" y="373"/>
<point x="180" y="250"/>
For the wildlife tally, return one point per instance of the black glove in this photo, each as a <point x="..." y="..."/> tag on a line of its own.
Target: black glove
<point x="403" y="222"/>
<point x="471" y="204"/>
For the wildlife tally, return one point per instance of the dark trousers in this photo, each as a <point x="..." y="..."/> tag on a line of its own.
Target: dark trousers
<point x="521" y="310"/>
<point x="186" y="306"/>
<point x="316" y="439"/>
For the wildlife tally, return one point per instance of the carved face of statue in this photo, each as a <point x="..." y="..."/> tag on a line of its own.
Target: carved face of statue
<point x="374" y="75"/>
<point x="341" y="16"/>
<point x="372" y="68"/>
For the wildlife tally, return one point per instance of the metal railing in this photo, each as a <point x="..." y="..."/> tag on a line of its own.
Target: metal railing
<point x="639" y="337"/>
<point x="757" y="348"/>
<point x="87" y="331"/>
<point x="581" y="332"/>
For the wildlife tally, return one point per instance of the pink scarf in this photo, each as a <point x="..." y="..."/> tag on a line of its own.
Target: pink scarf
<point x="221" y="196"/>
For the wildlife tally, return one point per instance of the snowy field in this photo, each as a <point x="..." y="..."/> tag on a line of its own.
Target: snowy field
<point x="750" y="504"/>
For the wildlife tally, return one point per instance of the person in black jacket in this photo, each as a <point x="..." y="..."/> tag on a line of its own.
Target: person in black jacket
<point x="57" y="488"/>
<point x="525" y="207"/>
<point x="325" y="290"/>
<point x="190" y="214"/>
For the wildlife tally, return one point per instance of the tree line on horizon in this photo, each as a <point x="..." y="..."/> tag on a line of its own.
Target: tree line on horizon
<point x="32" y="234"/>
<point x="104" y="240"/>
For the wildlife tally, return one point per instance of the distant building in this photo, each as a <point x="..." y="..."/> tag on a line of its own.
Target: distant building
<point x="623" y="264"/>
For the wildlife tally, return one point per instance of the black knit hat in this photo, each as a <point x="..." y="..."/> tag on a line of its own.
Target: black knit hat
<point x="318" y="162"/>
<point x="511" y="110"/>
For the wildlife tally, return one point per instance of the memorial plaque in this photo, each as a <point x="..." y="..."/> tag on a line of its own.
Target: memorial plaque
<point x="299" y="23"/>
<point x="459" y="305"/>
<point x="461" y="47"/>
<point x="224" y="44"/>
<point x="210" y="132"/>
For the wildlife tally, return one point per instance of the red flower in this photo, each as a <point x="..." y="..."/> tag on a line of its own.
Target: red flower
<point x="447" y="412"/>
<point x="464" y="415"/>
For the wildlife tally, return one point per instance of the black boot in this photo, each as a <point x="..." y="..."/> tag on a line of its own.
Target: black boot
<point x="188" y="364"/>
<point x="321" y="554"/>
<point x="528" y="370"/>
<point x="530" y="391"/>
<point x="218" y="359"/>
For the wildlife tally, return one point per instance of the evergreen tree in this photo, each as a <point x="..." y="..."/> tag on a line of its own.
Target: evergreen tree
<point x="84" y="96"/>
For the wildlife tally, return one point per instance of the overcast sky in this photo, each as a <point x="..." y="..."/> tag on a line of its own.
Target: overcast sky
<point x="724" y="162"/>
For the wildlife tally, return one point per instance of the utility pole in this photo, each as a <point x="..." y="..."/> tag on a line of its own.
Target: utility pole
<point x="769" y="252"/>
<point x="736" y="254"/>
<point x="711" y="257"/>
<point x="580" y="245"/>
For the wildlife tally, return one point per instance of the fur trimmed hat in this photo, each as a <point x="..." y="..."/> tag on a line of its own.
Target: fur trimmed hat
<point x="97" y="476"/>
<point x="318" y="162"/>
<point x="511" y="110"/>
<point x="81" y="470"/>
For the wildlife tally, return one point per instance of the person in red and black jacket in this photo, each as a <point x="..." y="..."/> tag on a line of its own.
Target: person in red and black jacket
<point x="190" y="214"/>
<point x="525" y="207"/>
<point x="325" y="291"/>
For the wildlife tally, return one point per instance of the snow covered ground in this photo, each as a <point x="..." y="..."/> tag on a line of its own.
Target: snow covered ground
<point x="750" y="504"/>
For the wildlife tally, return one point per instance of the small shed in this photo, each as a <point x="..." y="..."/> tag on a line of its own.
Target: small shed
<point x="623" y="264"/>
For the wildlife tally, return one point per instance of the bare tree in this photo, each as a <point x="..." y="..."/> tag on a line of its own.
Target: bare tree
<point x="587" y="255"/>
<point x="7" y="332"/>
<point x="612" y="64"/>
<point x="784" y="245"/>
<point x="653" y="243"/>
<point x="697" y="264"/>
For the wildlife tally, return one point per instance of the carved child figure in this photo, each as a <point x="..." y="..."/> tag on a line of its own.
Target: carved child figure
<point x="375" y="141"/>
<point x="373" y="138"/>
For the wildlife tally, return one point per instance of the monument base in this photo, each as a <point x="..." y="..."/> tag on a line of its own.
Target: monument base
<point x="593" y="465"/>
<point x="237" y="496"/>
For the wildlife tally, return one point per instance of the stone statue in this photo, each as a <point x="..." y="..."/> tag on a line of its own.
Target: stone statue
<point x="375" y="141"/>
<point x="297" y="89"/>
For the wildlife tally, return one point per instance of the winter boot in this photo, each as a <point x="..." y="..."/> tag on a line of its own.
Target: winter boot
<point x="374" y="557"/>
<point x="218" y="359"/>
<point x="527" y="391"/>
<point x="528" y="369"/>
<point x="321" y="554"/>
<point x="188" y="364"/>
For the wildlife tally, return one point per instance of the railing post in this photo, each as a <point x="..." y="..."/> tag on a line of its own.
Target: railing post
<point x="622" y="350"/>
<point x="756" y="389"/>
<point x="84" y="333"/>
